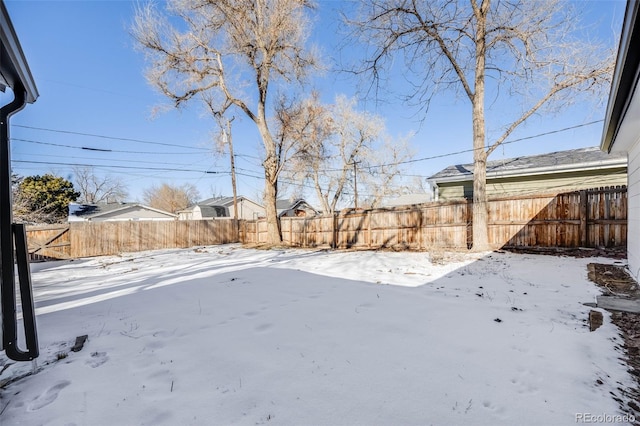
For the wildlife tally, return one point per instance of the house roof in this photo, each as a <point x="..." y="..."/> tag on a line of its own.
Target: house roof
<point x="217" y="201"/>
<point x="624" y="101"/>
<point x="554" y="162"/>
<point x="207" y="211"/>
<point x="224" y="201"/>
<point x="407" y="200"/>
<point x="96" y="210"/>
<point x="284" y="205"/>
<point x="14" y="70"/>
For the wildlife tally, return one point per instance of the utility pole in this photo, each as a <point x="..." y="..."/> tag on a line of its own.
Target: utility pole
<point x="228" y="140"/>
<point x="355" y="182"/>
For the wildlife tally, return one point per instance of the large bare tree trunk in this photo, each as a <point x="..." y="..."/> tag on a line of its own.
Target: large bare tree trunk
<point x="480" y="224"/>
<point x="480" y="212"/>
<point x="274" y="236"/>
<point x="270" y="164"/>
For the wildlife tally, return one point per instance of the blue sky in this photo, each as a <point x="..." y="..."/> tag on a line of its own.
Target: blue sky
<point x="91" y="82"/>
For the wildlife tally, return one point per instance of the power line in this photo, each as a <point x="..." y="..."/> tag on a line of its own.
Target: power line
<point x="165" y="169"/>
<point x="118" y="160"/>
<point x="103" y="150"/>
<point x="474" y="149"/>
<point x="369" y="167"/>
<point x="116" y="138"/>
<point x="121" y="151"/>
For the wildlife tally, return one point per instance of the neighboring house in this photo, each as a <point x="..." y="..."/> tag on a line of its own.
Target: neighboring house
<point x="295" y="208"/>
<point x="116" y="212"/>
<point x="222" y="207"/>
<point x="200" y="212"/>
<point x="622" y="124"/>
<point x="406" y="200"/>
<point x="547" y="173"/>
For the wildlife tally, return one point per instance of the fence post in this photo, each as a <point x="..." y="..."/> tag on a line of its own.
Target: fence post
<point x="420" y="229"/>
<point x="469" y="215"/>
<point x="584" y="213"/>
<point x="608" y="195"/>
<point x="370" y="242"/>
<point x="304" y="233"/>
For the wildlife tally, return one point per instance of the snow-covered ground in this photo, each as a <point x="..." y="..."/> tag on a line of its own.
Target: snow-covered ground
<point x="225" y="335"/>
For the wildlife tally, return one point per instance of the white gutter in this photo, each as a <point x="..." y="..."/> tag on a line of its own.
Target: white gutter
<point x="16" y="60"/>
<point x="536" y="171"/>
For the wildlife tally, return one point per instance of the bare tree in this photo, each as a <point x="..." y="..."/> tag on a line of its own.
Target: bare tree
<point x="231" y="55"/>
<point x="171" y="198"/>
<point x="377" y="181"/>
<point x="98" y="189"/>
<point x="523" y="51"/>
<point x="341" y="150"/>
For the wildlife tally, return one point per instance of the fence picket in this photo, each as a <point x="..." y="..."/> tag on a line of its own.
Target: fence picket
<point x="586" y="218"/>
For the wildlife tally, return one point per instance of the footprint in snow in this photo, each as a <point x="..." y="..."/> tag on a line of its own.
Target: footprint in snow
<point x="48" y="396"/>
<point x="263" y="328"/>
<point x="97" y="359"/>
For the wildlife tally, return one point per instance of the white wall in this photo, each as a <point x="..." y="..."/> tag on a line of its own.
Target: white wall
<point x="633" y="229"/>
<point x="247" y="210"/>
<point x="628" y="140"/>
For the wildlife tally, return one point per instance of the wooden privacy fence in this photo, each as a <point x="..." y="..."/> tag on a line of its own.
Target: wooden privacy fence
<point x="49" y="242"/>
<point x="85" y="239"/>
<point x="588" y="218"/>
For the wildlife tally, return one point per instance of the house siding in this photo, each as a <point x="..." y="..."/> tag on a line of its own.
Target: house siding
<point x="456" y="190"/>
<point x="247" y="210"/>
<point x="548" y="183"/>
<point x="633" y="228"/>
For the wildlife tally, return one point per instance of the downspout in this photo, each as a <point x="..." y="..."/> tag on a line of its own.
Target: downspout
<point x="7" y="258"/>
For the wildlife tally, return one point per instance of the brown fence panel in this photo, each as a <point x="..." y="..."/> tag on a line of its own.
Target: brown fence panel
<point x="48" y="242"/>
<point x="445" y="225"/>
<point x="108" y="238"/>
<point x="588" y="218"/>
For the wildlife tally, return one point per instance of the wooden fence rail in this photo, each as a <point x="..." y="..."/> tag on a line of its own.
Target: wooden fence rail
<point x="588" y="218"/>
<point x="86" y="239"/>
<point x="49" y="242"/>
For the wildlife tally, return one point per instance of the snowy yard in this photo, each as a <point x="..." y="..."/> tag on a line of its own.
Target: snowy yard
<point x="225" y="335"/>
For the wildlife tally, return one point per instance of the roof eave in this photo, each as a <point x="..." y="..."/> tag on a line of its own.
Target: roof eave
<point x="625" y="76"/>
<point x="604" y="164"/>
<point x="130" y="206"/>
<point x="16" y="68"/>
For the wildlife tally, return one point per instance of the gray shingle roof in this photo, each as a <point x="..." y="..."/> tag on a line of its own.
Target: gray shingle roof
<point x="220" y="201"/>
<point x="88" y="210"/>
<point x="282" y="205"/>
<point x="92" y="210"/>
<point x="585" y="158"/>
<point x="208" y="211"/>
